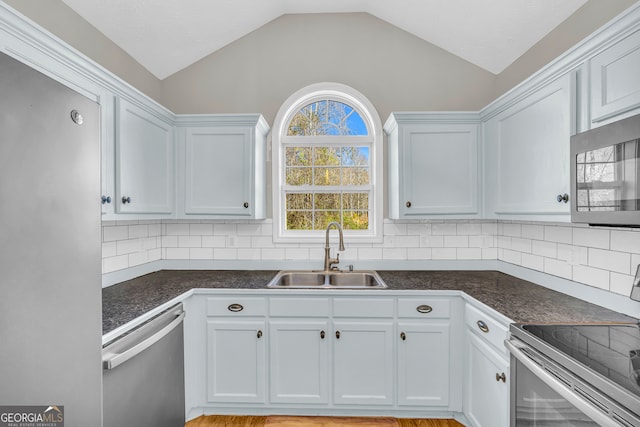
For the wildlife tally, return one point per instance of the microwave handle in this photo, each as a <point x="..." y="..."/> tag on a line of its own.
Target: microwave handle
<point x="581" y="404"/>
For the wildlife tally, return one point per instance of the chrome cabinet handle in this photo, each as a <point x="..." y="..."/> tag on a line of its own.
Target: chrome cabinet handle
<point x="424" y="308"/>
<point x="482" y="326"/>
<point x="408" y="204"/>
<point x="501" y="377"/>
<point x="259" y="334"/>
<point x="403" y="336"/>
<point x="246" y="205"/>
<point x="106" y="199"/>
<point x="126" y="200"/>
<point x="235" y="307"/>
<point x="562" y="198"/>
<point x="321" y="334"/>
<point x="337" y="334"/>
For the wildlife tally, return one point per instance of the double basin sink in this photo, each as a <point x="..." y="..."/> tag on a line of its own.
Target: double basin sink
<point x="363" y="279"/>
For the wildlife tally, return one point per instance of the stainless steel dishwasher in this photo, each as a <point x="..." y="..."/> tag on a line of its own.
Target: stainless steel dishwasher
<point x="143" y="374"/>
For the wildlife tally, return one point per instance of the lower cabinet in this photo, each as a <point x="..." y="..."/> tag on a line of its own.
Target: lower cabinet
<point x="363" y="363"/>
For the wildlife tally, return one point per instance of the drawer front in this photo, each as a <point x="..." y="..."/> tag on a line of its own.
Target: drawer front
<point x="236" y="306"/>
<point x="486" y="327"/>
<point x="363" y="307"/>
<point x="299" y="307"/>
<point x="424" y="308"/>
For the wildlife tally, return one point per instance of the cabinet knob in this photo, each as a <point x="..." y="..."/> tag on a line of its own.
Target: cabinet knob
<point x="403" y="336"/>
<point x="337" y="334"/>
<point x="106" y="199"/>
<point x="408" y="204"/>
<point x="501" y="377"/>
<point x="562" y="198"/>
<point x="482" y="326"/>
<point x="235" y="307"/>
<point x="126" y="200"/>
<point x="259" y="334"/>
<point x="424" y="308"/>
<point x="321" y="334"/>
<point x="246" y="205"/>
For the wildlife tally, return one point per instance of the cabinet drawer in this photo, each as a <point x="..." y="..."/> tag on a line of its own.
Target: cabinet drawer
<point x="363" y="307"/>
<point x="486" y="327"/>
<point x="236" y="306"/>
<point x="299" y="307"/>
<point x="424" y="308"/>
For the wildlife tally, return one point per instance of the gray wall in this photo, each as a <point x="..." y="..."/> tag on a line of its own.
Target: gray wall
<point x="66" y="24"/>
<point x="394" y="69"/>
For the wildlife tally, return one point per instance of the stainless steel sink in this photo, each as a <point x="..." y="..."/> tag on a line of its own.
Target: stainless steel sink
<point x="363" y="279"/>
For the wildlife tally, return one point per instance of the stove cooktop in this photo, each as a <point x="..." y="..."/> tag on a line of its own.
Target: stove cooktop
<point x="612" y="350"/>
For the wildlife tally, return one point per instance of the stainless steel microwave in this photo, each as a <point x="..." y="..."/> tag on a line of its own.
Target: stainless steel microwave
<point x="605" y="174"/>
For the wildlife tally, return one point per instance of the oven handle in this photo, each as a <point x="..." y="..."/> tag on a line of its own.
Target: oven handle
<point x="573" y="398"/>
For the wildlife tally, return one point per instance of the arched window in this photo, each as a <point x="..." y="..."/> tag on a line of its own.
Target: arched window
<point x="327" y="165"/>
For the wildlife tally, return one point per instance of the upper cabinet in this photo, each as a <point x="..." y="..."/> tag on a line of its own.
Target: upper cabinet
<point x="221" y="166"/>
<point x="433" y="165"/>
<point x="144" y="159"/>
<point x="615" y="81"/>
<point x="527" y="154"/>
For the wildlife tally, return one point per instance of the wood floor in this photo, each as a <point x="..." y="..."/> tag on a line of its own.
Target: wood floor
<point x="290" y="421"/>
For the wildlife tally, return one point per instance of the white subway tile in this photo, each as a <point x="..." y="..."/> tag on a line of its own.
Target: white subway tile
<point x="109" y="249"/>
<point x="469" y="253"/>
<point x="591" y="237"/>
<point x="557" y="234"/>
<point x="224" y="253"/>
<point x="625" y="241"/>
<point x="575" y="255"/>
<point x="266" y="229"/>
<point x="635" y="261"/>
<point x="394" y="229"/>
<point x="201" y="253"/>
<point x="176" y="253"/>
<point x="154" y="254"/>
<point x="224" y="229"/>
<point x="545" y="249"/>
<point x="477" y="241"/>
<point x="113" y="233"/>
<point x="297" y="253"/>
<point x="149" y="243"/>
<point x="591" y="276"/>
<point x="511" y="257"/>
<point x="489" y="253"/>
<point x="176" y="229"/>
<point x="558" y="268"/>
<point x="470" y="229"/>
<point x="417" y="229"/>
<point x="369" y="253"/>
<point x="262" y="242"/>
<point x="317" y="253"/>
<point x="512" y="229"/>
<point x="169" y="241"/>
<point x="115" y="263"/>
<point x="249" y="254"/>
<point x="407" y="241"/>
<point x="620" y="283"/>
<point x="533" y="231"/>
<point x="249" y="229"/>
<point x="418" y="253"/>
<point x="444" y="229"/>
<point x="138" y="231"/>
<point x="273" y="253"/>
<point x="214" y="241"/>
<point x="619" y="262"/>
<point x="127" y="222"/>
<point x="200" y="229"/>
<point x="490" y="228"/>
<point x="155" y="230"/>
<point x="394" y="253"/>
<point x="138" y="258"/>
<point x="443" y="253"/>
<point x="456" y="242"/>
<point x="433" y="241"/>
<point x="128" y="246"/>
<point x="533" y="262"/>
<point x="189" y="241"/>
<point x="521" y="245"/>
<point x="504" y="242"/>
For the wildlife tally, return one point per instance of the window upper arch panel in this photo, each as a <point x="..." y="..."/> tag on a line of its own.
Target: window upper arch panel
<point x="327" y="118"/>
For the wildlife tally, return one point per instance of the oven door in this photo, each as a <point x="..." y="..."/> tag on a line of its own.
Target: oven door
<point x="544" y="394"/>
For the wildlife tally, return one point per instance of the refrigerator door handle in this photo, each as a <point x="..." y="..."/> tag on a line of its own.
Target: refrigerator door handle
<point x="112" y="360"/>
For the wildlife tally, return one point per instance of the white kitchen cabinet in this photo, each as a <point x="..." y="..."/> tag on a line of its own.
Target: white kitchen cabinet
<point x="487" y="386"/>
<point x="145" y="155"/>
<point x="527" y="154"/>
<point x="433" y="165"/>
<point x="299" y="360"/>
<point x="236" y="361"/>
<point x="614" y="82"/>
<point x="221" y="162"/>
<point x="363" y="363"/>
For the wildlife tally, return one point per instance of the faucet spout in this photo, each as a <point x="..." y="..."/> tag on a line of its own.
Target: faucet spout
<point x="328" y="261"/>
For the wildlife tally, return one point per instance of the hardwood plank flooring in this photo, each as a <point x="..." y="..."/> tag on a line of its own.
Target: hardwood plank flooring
<point x="291" y="421"/>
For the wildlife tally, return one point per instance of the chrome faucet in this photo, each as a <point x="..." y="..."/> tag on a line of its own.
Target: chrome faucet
<point x="328" y="261"/>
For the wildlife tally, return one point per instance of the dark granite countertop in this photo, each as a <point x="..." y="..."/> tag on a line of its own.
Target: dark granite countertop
<point x="517" y="299"/>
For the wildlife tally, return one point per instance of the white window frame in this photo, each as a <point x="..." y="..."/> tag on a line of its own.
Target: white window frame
<point x="303" y="97"/>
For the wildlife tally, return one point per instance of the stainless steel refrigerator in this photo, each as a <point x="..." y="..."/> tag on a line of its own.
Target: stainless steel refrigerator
<point x="50" y="262"/>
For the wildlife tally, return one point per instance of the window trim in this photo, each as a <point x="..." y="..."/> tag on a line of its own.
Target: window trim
<point x="298" y="100"/>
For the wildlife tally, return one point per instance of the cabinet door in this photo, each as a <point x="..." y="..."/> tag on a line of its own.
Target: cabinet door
<point x="144" y="161"/>
<point x="236" y="361"/>
<point x="219" y="171"/>
<point x="423" y="364"/>
<point x="299" y="361"/>
<point x="363" y="363"/>
<point x="439" y="169"/>
<point x="487" y="388"/>
<point x="527" y="152"/>
<point x="615" y="86"/>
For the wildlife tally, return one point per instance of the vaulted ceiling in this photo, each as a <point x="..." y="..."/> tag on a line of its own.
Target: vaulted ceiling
<point x="166" y="36"/>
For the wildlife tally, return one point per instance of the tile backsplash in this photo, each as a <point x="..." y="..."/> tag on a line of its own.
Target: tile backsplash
<point x="602" y="257"/>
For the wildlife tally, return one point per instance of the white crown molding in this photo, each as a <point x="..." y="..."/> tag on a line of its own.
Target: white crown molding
<point x="425" y="117"/>
<point x="191" y="120"/>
